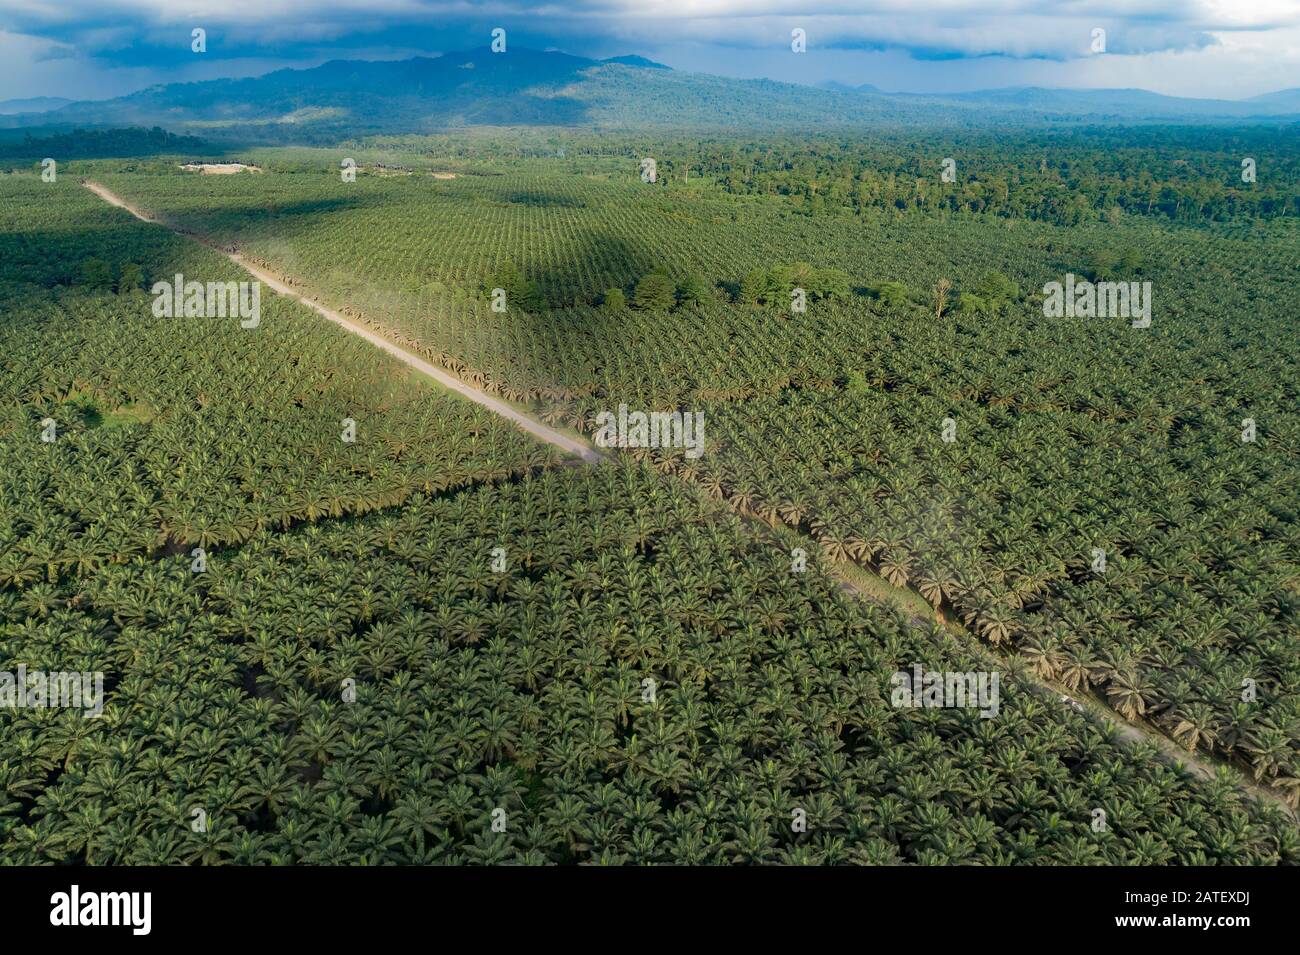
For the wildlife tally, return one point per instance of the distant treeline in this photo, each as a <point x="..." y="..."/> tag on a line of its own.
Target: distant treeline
<point x="1183" y="175"/>
<point x="1063" y="176"/>
<point x="101" y="144"/>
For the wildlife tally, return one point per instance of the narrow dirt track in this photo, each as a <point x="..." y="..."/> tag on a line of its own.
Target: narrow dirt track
<point x="1194" y="763"/>
<point x="527" y="423"/>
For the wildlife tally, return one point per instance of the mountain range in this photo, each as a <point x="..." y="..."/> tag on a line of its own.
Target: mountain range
<point x="34" y="104"/>
<point x="550" y="88"/>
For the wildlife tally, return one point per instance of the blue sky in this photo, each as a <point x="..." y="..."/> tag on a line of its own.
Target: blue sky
<point x="1217" y="48"/>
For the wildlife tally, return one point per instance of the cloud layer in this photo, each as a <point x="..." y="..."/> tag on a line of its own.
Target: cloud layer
<point x="1223" y="48"/>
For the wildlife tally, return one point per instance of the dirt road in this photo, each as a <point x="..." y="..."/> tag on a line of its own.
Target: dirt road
<point x="524" y="421"/>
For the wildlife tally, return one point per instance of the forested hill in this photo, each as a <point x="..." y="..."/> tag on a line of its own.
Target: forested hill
<point x="528" y="87"/>
<point x="520" y="87"/>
